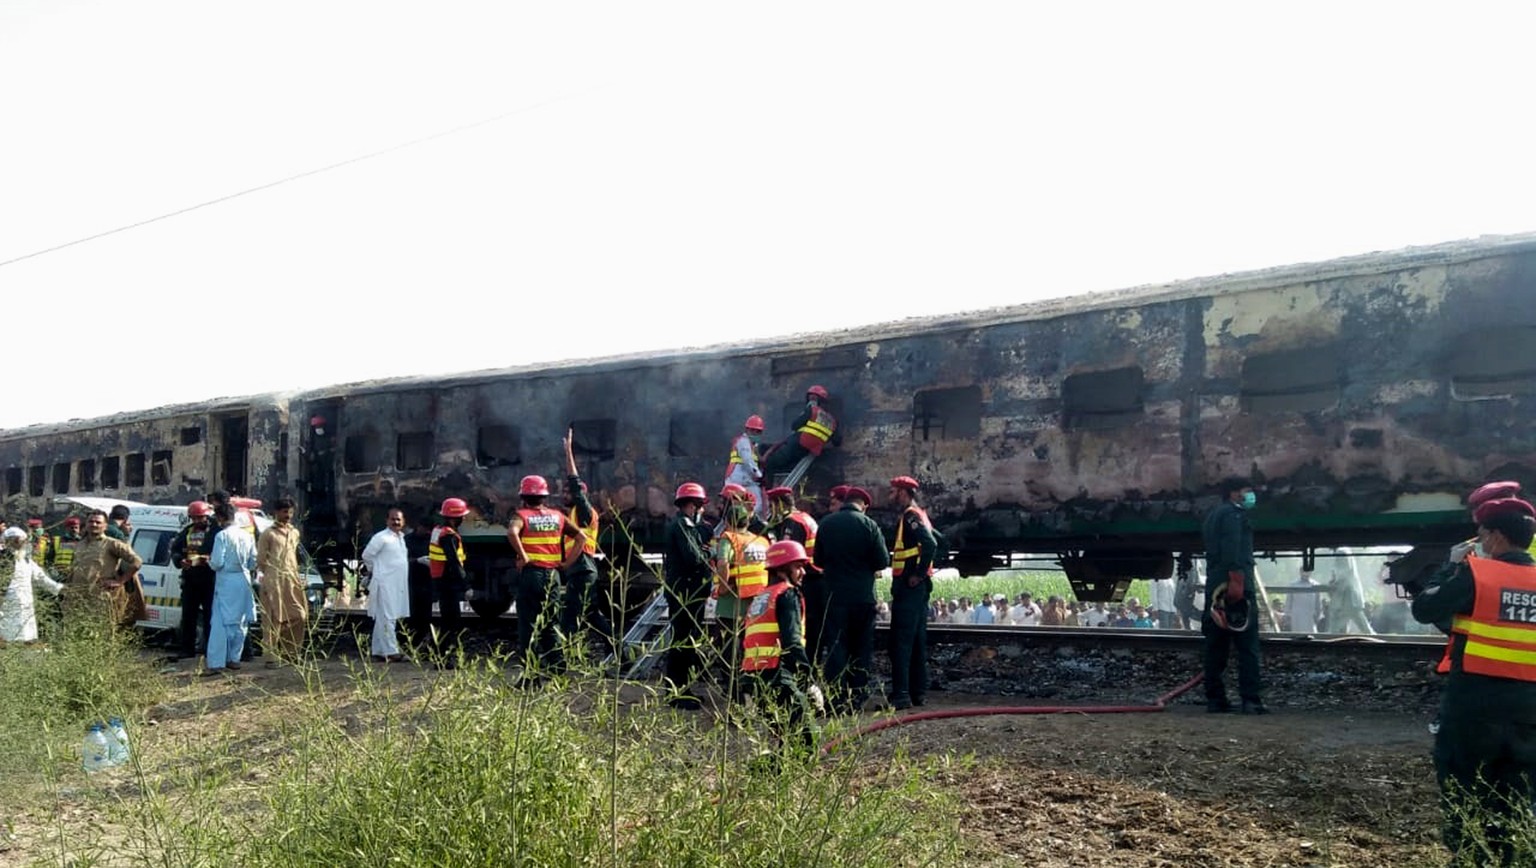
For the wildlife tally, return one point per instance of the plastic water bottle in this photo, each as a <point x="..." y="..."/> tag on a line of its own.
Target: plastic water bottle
<point x="95" y="753"/>
<point x="118" y="750"/>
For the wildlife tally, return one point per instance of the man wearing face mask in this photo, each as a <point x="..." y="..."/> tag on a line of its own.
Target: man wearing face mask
<point x="743" y="469"/>
<point x="1485" y="748"/>
<point x="1230" y="620"/>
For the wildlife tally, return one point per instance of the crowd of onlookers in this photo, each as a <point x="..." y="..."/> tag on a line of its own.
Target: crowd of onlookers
<point x="1055" y="611"/>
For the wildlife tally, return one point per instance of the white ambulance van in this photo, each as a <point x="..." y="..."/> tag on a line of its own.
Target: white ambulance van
<point x="153" y="529"/>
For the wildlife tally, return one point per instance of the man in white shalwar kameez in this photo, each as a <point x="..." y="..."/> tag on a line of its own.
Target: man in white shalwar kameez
<point x="389" y="596"/>
<point x="19" y="577"/>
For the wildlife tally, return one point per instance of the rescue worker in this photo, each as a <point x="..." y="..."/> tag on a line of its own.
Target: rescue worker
<point x="741" y="573"/>
<point x="687" y="571"/>
<point x="731" y="493"/>
<point x="1485" y="749"/>
<point x="102" y="569"/>
<point x="813" y="431"/>
<point x="61" y="555"/>
<point x="539" y="537"/>
<point x="773" y="649"/>
<point x="911" y="585"/>
<point x="835" y="498"/>
<point x="1230" y="620"/>
<point x="743" y="469"/>
<point x="190" y="551"/>
<point x="234" y="606"/>
<point x="448" y="570"/>
<point x="787" y="522"/>
<point x="118" y="525"/>
<point x="20" y="577"/>
<point x="850" y="550"/>
<point x="40" y="540"/>
<point x="417" y="549"/>
<point x="581" y="601"/>
<point x="284" y="597"/>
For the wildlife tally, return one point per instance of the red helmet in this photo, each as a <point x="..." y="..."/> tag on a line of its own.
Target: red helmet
<point x="733" y="491"/>
<point x="199" y="509"/>
<point x="533" y="486"/>
<point x="753" y="423"/>
<point x="453" y="507"/>
<point x="690" y="491"/>
<point x="819" y="392"/>
<point x="72" y="521"/>
<point x="786" y="552"/>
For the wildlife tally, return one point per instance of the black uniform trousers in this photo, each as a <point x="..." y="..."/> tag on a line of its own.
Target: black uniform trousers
<point x="909" y="644"/>
<point x="449" y="596"/>
<point x="686" y="600"/>
<point x="1486" y="765"/>
<point x="583" y="604"/>
<point x="1219" y="644"/>
<point x="539" y="602"/>
<point x="813" y="590"/>
<point x="788" y="709"/>
<point x="196" y="613"/>
<point x="850" y="635"/>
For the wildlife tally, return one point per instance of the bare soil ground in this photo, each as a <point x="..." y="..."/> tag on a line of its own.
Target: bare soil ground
<point x="1338" y="775"/>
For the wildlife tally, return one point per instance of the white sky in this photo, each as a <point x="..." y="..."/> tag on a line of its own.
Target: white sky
<point x="812" y="165"/>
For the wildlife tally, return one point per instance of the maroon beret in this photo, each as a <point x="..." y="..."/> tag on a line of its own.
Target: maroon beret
<point x="1503" y="506"/>
<point x="904" y="482"/>
<point x="1493" y="491"/>
<point x="840" y="492"/>
<point x="856" y="493"/>
<point x="781" y="491"/>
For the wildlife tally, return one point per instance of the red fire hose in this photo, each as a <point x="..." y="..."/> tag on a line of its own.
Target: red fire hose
<point x="1159" y="704"/>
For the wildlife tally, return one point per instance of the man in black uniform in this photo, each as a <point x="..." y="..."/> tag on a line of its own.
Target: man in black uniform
<point x="1485" y="749"/>
<point x="1228" y="621"/>
<point x="581" y="603"/>
<point x="689" y="572"/>
<point x="849" y="551"/>
<point x="911" y="585"/>
<point x="419" y="575"/>
<point x="189" y="551"/>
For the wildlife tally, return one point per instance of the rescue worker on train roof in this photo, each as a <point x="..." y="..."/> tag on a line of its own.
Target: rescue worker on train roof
<point x="912" y="558"/>
<point x="813" y="431"/>
<point x="543" y="544"/>
<point x="1485" y="749"/>
<point x="743" y="470"/>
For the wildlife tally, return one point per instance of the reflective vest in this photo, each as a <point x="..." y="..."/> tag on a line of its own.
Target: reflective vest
<point x="807" y="533"/>
<point x="815" y="433"/>
<point x="1501" y="631"/>
<point x="760" y="645"/>
<point x="64" y="553"/>
<point x="747" y="574"/>
<point x="900" y="553"/>
<point x="542" y="530"/>
<point x="40" y="549"/>
<point x="588" y="534"/>
<point x="736" y="453"/>
<point x="437" y="559"/>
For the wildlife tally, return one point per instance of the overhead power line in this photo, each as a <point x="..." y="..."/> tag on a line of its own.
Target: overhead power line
<point x="270" y="184"/>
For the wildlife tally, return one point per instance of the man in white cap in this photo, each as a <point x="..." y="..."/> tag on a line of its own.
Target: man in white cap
<point x="19" y="577"/>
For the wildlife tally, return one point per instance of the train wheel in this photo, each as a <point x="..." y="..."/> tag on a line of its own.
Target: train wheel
<point x="489" y="606"/>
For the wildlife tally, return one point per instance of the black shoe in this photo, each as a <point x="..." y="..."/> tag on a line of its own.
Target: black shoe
<point x="1254" y="707"/>
<point x="1218" y="706"/>
<point x="900" y="703"/>
<point x="919" y="700"/>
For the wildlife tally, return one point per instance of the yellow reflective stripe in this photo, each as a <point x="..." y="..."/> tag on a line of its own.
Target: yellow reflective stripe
<point x="767" y="627"/>
<point x="1526" y="635"/>
<point x="1498" y="652"/>
<point x="761" y="651"/>
<point x="816" y="429"/>
<point x="735" y="457"/>
<point x="530" y="539"/>
<point x="543" y="558"/>
<point x="903" y="554"/>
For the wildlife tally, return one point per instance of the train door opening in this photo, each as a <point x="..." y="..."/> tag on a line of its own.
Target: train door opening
<point x="233" y="450"/>
<point x="317" y="476"/>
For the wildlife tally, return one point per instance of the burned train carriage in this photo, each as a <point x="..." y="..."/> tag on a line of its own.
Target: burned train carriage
<point x="1365" y="395"/>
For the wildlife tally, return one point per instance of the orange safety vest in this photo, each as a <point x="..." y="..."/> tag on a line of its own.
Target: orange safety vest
<point x="1501" y="631"/>
<point x="815" y="433"/>
<point x="760" y="645"/>
<point x="900" y="554"/>
<point x="588" y="534"/>
<point x="747" y="574"/>
<point x="807" y="525"/>
<point x="541" y="536"/>
<point x="437" y="559"/>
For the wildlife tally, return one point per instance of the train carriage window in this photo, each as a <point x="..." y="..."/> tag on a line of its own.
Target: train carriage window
<point x="362" y="453"/>
<point x="1496" y="363"/>
<point x="191" y="436"/>
<point x="413" y="450"/>
<point x="947" y="414"/>
<point x="594" y="439"/>
<point x="85" y="474"/>
<point x="37" y="480"/>
<point x="498" y="446"/>
<point x="61" y="479"/>
<point x="160" y="467"/>
<point x="133" y="470"/>
<point x="695" y="434"/>
<point x="109" y="472"/>
<point x="12" y="481"/>
<point x="1302" y="380"/>
<point x="1096" y="400"/>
